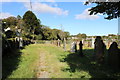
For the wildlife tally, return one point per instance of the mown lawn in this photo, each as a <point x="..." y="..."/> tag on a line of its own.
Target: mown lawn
<point x="59" y="64"/>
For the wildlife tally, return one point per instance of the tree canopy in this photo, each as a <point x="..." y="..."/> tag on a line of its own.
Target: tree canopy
<point x="31" y="28"/>
<point x="111" y="9"/>
<point x="31" y="21"/>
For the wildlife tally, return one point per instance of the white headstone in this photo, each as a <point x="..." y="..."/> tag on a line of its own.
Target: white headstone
<point x="73" y="47"/>
<point x="93" y="40"/>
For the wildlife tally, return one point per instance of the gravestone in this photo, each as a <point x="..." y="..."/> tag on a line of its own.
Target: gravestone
<point x="93" y="40"/>
<point x="80" y="48"/>
<point x="114" y="55"/>
<point x="99" y="49"/>
<point x="64" y="44"/>
<point x="89" y="45"/>
<point x="75" y="46"/>
<point x="58" y="43"/>
<point x="21" y="43"/>
<point x="72" y="47"/>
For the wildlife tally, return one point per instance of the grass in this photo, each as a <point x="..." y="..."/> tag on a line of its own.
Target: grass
<point x="27" y="63"/>
<point x="60" y="64"/>
<point x="24" y="65"/>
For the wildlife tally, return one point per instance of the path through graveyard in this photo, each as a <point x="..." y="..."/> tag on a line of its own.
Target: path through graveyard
<point x="42" y="67"/>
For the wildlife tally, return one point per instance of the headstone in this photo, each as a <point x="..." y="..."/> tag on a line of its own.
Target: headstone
<point x="21" y="43"/>
<point x="93" y="40"/>
<point x="58" y="43"/>
<point x="89" y="44"/>
<point x="80" y="48"/>
<point x="114" y="55"/>
<point x="75" y="46"/>
<point x="99" y="49"/>
<point x="72" y="47"/>
<point x="64" y="44"/>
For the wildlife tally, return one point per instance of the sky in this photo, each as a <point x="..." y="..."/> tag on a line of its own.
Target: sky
<point x="69" y="16"/>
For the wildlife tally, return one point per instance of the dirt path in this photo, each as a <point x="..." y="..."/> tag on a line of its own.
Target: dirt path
<point x="42" y="67"/>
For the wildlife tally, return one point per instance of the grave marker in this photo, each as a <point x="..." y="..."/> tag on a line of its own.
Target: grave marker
<point x="80" y="48"/>
<point x="114" y="55"/>
<point x="99" y="49"/>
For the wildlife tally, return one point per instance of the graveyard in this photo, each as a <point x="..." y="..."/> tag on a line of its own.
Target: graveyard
<point x="51" y="61"/>
<point x="76" y="40"/>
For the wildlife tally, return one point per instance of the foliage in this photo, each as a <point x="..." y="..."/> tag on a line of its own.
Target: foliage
<point x="31" y="22"/>
<point x="30" y="27"/>
<point x="10" y="34"/>
<point x="111" y="9"/>
<point x="10" y="22"/>
<point x="67" y="34"/>
<point x="39" y="37"/>
<point x="52" y="34"/>
<point x="81" y="36"/>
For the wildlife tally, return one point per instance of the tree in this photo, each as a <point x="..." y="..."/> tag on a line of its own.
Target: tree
<point x="9" y="22"/>
<point x="111" y="9"/>
<point x="58" y="34"/>
<point x="67" y="34"/>
<point x="19" y="17"/>
<point x="10" y="34"/>
<point x="81" y="36"/>
<point x="46" y="33"/>
<point x="31" y="22"/>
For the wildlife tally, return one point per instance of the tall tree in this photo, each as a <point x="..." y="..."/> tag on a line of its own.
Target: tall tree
<point x="31" y="22"/>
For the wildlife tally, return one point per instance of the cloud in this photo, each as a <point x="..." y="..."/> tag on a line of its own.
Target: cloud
<point x="42" y="0"/>
<point x="45" y="8"/>
<point x="85" y="15"/>
<point x="27" y="0"/>
<point x="14" y="0"/>
<point x="5" y="15"/>
<point x="49" y="0"/>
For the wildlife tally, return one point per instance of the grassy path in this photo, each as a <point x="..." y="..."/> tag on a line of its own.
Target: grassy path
<point x="50" y="66"/>
<point x="42" y="73"/>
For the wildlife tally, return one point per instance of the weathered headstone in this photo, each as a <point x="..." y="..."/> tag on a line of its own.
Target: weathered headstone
<point x="21" y="43"/>
<point x="99" y="49"/>
<point x="89" y="44"/>
<point x="75" y="46"/>
<point x="64" y="44"/>
<point x="80" y="48"/>
<point x="93" y="40"/>
<point x="58" y="43"/>
<point x="114" y="55"/>
<point x="72" y="47"/>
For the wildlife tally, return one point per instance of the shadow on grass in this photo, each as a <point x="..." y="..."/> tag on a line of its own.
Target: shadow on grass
<point x="10" y="63"/>
<point x="87" y="64"/>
